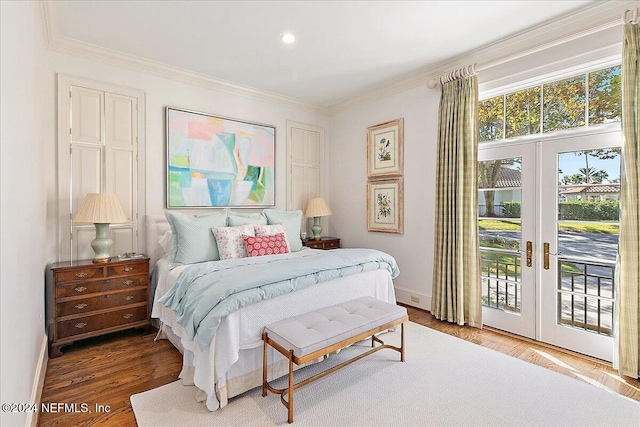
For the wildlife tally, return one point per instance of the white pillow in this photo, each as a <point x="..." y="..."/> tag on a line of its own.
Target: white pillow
<point x="271" y="230"/>
<point x="229" y="240"/>
<point x="291" y="221"/>
<point x="166" y="242"/>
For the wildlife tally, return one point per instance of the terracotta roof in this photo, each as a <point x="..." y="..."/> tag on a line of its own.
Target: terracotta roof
<point x="509" y="178"/>
<point x="591" y="189"/>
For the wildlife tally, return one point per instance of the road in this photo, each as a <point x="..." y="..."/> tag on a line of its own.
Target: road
<point x="571" y="244"/>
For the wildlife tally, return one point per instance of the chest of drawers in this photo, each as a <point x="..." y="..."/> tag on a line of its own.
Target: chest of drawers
<point x="87" y="299"/>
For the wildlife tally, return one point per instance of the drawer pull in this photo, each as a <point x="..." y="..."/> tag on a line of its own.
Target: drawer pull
<point x="128" y="269"/>
<point x="80" y="289"/>
<point x="128" y="297"/>
<point x="81" y="275"/>
<point x="128" y="282"/>
<point x="81" y="306"/>
<point x="81" y="325"/>
<point x="128" y="316"/>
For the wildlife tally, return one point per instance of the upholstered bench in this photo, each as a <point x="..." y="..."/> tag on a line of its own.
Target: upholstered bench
<point x="312" y="335"/>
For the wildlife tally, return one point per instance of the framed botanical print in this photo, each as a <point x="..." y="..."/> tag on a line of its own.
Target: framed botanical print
<point x="385" y="149"/>
<point x="385" y="206"/>
<point x="216" y="162"/>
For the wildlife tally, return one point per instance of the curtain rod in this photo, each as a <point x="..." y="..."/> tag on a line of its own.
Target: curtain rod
<point x="460" y="73"/>
<point x="635" y="19"/>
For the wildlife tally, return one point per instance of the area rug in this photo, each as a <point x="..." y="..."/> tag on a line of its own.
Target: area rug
<point x="445" y="381"/>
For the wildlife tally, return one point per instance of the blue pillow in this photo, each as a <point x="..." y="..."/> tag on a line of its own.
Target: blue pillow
<point x="192" y="238"/>
<point x="236" y="219"/>
<point x="291" y="221"/>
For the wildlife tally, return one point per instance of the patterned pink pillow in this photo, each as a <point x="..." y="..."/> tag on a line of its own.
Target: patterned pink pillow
<point x="229" y="240"/>
<point x="269" y="230"/>
<point x="266" y="245"/>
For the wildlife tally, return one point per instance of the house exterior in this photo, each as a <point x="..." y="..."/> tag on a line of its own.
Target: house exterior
<point x="590" y="192"/>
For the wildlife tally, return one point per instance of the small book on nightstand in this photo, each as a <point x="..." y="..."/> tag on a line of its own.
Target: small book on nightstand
<point x="131" y="255"/>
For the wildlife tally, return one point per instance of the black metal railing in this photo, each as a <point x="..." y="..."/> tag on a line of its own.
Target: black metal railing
<point x="585" y="294"/>
<point x="500" y="272"/>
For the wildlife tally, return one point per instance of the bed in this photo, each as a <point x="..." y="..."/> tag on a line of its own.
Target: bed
<point x="231" y="363"/>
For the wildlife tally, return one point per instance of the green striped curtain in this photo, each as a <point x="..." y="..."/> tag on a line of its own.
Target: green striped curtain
<point x="456" y="263"/>
<point x="627" y="281"/>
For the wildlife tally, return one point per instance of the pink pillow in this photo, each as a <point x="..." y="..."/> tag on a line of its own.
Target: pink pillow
<point x="269" y="230"/>
<point x="266" y="245"/>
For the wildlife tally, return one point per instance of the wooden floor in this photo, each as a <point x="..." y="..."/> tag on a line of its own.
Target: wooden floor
<point x="108" y="370"/>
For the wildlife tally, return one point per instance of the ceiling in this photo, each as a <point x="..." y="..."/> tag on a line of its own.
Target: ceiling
<point x="343" y="49"/>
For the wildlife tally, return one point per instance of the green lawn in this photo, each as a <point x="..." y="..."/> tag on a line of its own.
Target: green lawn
<point x="490" y="224"/>
<point x="578" y="227"/>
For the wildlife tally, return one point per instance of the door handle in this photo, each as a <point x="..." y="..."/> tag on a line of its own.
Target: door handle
<point x="546" y="255"/>
<point x="529" y="253"/>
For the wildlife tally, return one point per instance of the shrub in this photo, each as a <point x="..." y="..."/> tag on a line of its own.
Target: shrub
<point x="589" y="211"/>
<point x="511" y="209"/>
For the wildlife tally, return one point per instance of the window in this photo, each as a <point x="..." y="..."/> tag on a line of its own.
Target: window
<point x="587" y="99"/>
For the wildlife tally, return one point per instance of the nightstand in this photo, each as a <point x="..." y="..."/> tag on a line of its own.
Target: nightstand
<point x="87" y="299"/>
<point x="323" y="243"/>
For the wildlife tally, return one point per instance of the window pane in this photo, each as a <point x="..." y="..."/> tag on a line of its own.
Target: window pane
<point x="491" y="119"/>
<point x="523" y="112"/>
<point x="564" y="104"/>
<point x="604" y="96"/>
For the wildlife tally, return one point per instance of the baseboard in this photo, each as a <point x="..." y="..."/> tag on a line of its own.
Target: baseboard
<point x="38" y="382"/>
<point x="413" y="298"/>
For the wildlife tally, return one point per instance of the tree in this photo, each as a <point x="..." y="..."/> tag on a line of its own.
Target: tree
<point x="490" y="119"/>
<point x="576" y="178"/>
<point x="563" y="108"/>
<point x="600" y="176"/>
<point x="601" y="153"/>
<point x="488" y="173"/>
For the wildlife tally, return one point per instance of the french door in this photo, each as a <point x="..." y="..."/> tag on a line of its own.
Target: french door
<point x="548" y="222"/>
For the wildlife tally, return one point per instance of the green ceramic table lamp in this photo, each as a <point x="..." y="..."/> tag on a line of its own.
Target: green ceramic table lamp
<point x="317" y="208"/>
<point x="101" y="210"/>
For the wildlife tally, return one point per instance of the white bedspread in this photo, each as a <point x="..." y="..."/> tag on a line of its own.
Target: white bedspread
<point x="232" y="363"/>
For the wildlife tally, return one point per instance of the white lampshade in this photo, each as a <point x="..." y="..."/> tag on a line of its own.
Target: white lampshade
<point x="317" y="207"/>
<point x="101" y="209"/>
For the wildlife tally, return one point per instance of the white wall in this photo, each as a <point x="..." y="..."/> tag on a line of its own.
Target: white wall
<point x="161" y="92"/>
<point x="347" y="167"/>
<point x="22" y="200"/>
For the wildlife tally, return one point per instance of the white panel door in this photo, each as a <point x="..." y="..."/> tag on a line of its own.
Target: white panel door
<point x="305" y="148"/>
<point x="86" y="115"/>
<point x="98" y="152"/>
<point x="121" y="162"/>
<point x="87" y="159"/>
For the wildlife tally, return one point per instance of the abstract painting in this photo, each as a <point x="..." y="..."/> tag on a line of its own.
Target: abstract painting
<point x="218" y="162"/>
<point x="385" y="206"/>
<point x="384" y="149"/>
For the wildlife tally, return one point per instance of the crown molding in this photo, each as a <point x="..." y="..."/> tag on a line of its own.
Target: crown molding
<point x="592" y="19"/>
<point x="73" y="47"/>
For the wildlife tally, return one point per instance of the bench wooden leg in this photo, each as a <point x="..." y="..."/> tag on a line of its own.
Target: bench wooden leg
<point x="264" y="365"/>
<point x="290" y="394"/>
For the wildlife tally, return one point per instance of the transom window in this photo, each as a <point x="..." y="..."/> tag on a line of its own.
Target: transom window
<point x="588" y="99"/>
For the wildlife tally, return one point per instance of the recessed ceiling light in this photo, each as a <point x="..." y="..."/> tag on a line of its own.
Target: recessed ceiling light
<point x="288" y="38"/>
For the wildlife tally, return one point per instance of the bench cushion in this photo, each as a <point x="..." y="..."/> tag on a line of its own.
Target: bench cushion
<point x="322" y="328"/>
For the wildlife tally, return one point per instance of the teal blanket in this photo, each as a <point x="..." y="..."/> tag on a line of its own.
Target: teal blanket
<point x="206" y="292"/>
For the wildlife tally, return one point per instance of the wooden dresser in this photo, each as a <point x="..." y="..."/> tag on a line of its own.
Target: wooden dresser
<point x="87" y="299"/>
<point x="323" y="243"/>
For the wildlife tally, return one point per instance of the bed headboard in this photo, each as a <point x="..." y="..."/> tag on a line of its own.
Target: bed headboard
<point x="155" y="227"/>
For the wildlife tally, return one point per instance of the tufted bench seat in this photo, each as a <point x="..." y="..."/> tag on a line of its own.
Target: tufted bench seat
<point x="312" y="335"/>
